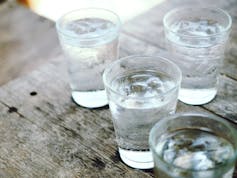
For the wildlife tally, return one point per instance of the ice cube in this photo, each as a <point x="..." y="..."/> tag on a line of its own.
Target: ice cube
<point x="77" y="27"/>
<point x="91" y="27"/>
<point x="221" y="154"/>
<point x="184" y="161"/>
<point x="203" y="22"/>
<point x="141" y="89"/>
<point x="206" y="142"/>
<point x="106" y="25"/>
<point x="154" y="82"/>
<point x="169" y="155"/>
<point x="200" y="161"/>
<point x="196" y="161"/>
<point x="138" y="87"/>
<point x="198" y="27"/>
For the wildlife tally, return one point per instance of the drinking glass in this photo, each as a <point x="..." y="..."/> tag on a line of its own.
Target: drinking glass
<point x="191" y="145"/>
<point x="198" y="36"/>
<point x="141" y="90"/>
<point x="89" y="39"/>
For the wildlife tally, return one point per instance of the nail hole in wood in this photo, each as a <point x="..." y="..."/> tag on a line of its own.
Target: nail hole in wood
<point x="33" y="93"/>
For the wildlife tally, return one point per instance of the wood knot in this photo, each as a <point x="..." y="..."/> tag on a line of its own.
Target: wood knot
<point x="115" y="158"/>
<point x="12" y="109"/>
<point x="98" y="163"/>
<point x="33" y="93"/>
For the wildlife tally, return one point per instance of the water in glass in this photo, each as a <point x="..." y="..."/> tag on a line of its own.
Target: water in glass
<point x="201" y="59"/>
<point x="94" y="46"/>
<point x="196" y="152"/>
<point x="134" y="115"/>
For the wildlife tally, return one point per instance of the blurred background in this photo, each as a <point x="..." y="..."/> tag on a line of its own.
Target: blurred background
<point x="126" y="9"/>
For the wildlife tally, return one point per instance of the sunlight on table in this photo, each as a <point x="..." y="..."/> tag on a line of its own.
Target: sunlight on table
<point x="126" y="9"/>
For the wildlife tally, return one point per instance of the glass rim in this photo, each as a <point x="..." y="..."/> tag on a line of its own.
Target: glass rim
<point x="84" y="38"/>
<point x="223" y="12"/>
<point x="140" y="57"/>
<point x="184" y="114"/>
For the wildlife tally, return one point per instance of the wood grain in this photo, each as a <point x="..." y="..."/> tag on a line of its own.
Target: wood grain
<point x="27" y="41"/>
<point x="43" y="133"/>
<point x="69" y="140"/>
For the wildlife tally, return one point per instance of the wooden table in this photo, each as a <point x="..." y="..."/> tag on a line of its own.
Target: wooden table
<point x="42" y="132"/>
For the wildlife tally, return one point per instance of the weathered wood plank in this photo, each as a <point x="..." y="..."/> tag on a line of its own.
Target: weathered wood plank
<point x="67" y="138"/>
<point x="27" y="41"/>
<point x="19" y="155"/>
<point x="52" y="111"/>
<point x="132" y="46"/>
<point x="44" y="134"/>
<point x="225" y="103"/>
<point x="73" y="138"/>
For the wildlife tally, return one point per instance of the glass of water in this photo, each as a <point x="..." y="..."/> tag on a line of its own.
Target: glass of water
<point x="89" y="39"/>
<point x="141" y="90"/>
<point x="198" y="36"/>
<point x="193" y="145"/>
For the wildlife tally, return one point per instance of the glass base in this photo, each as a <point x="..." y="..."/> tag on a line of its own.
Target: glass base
<point x="137" y="159"/>
<point x="197" y="96"/>
<point x="90" y="99"/>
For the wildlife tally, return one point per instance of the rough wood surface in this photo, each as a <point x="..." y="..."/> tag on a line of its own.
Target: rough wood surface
<point x="27" y="40"/>
<point x="44" y="134"/>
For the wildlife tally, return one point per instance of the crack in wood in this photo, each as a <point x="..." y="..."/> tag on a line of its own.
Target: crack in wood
<point x="228" y="76"/>
<point x="98" y="163"/>
<point x="227" y="118"/>
<point x="12" y="109"/>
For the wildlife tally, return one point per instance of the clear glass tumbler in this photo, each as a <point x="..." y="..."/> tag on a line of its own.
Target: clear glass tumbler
<point x="141" y="90"/>
<point x="89" y="39"/>
<point x="192" y="145"/>
<point x="198" y="36"/>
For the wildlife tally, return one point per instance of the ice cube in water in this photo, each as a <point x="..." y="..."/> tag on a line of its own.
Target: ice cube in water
<point x="201" y="56"/>
<point x="89" y="45"/>
<point x="137" y="107"/>
<point x="198" y="27"/>
<point x="194" y="149"/>
<point x="90" y="27"/>
<point x="143" y="84"/>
